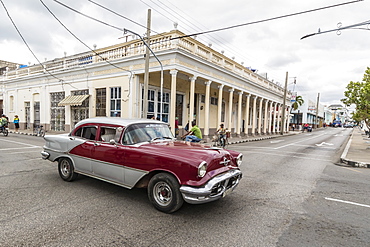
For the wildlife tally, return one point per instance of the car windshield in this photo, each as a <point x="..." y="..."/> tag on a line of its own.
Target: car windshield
<point x="146" y="132"/>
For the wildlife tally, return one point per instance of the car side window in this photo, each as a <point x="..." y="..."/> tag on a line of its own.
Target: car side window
<point x="110" y="133"/>
<point x="87" y="132"/>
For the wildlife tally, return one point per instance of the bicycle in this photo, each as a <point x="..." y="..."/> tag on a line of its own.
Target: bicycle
<point x="4" y="130"/>
<point x="221" y="141"/>
<point x="39" y="131"/>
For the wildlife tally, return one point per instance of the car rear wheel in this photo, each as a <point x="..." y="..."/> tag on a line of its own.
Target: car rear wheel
<point x="164" y="193"/>
<point x="66" y="170"/>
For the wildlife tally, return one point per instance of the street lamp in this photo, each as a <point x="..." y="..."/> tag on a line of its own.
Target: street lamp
<point x="125" y="31"/>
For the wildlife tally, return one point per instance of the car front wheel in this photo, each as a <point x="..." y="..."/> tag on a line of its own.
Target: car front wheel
<point x="66" y="170"/>
<point x="164" y="193"/>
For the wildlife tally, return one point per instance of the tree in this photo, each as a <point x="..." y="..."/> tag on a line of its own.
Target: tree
<point x="358" y="94"/>
<point x="298" y="102"/>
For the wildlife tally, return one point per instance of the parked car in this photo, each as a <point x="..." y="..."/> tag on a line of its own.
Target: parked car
<point x="143" y="153"/>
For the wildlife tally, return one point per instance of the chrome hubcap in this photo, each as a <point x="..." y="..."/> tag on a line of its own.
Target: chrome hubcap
<point x="162" y="193"/>
<point x="65" y="168"/>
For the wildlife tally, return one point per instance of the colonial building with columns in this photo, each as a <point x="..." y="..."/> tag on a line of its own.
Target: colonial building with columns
<point x="193" y="81"/>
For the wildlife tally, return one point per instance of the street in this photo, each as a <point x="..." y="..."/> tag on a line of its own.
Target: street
<point x="293" y="193"/>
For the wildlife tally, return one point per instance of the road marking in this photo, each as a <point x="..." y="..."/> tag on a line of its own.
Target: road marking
<point x="324" y="143"/>
<point x="351" y="169"/>
<point x="348" y="202"/>
<point x="294" y="143"/>
<point x="26" y="144"/>
<point x="287" y="155"/>
<point x="277" y="141"/>
<point x="6" y="149"/>
<point x="21" y="152"/>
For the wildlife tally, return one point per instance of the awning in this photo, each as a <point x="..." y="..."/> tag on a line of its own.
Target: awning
<point x="73" y="100"/>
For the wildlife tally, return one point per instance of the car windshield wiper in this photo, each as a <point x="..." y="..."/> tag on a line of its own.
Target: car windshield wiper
<point x="163" y="137"/>
<point x="155" y="138"/>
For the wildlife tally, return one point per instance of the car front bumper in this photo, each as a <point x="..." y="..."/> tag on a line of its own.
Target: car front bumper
<point x="214" y="189"/>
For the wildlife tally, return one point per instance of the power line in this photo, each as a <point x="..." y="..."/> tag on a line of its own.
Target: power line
<point x="97" y="54"/>
<point x="87" y="16"/>
<point x="214" y="39"/>
<point x="25" y="42"/>
<point x="159" y="12"/>
<point x="265" y="20"/>
<point x="122" y="16"/>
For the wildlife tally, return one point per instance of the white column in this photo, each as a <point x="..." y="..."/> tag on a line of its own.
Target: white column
<point x="219" y="104"/>
<point x="260" y="117"/>
<point x="173" y="100"/>
<point x="191" y="103"/>
<point x="266" y="118"/>
<point x="254" y="115"/>
<point x="206" y="108"/>
<point x="270" y="118"/>
<point x="278" y="118"/>
<point x="231" y="94"/>
<point x="247" y="114"/>
<point x="239" y="117"/>
<point x="274" y="120"/>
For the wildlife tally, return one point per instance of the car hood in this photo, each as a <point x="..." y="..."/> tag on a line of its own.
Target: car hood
<point x="187" y="151"/>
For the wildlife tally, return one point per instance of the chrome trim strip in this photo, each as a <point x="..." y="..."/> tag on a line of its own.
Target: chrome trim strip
<point x="108" y="163"/>
<point x="104" y="179"/>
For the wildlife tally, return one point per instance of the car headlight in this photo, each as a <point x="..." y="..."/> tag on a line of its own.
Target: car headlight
<point x="202" y="169"/>
<point x="239" y="159"/>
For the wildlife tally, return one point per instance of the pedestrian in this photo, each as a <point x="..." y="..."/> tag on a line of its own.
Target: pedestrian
<point x="16" y="123"/>
<point x="305" y="127"/>
<point x="176" y="126"/>
<point x="194" y="135"/>
<point x="293" y="127"/>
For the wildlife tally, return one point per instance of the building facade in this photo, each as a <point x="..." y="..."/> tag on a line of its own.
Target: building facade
<point x="193" y="81"/>
<point x="307" y="113"/>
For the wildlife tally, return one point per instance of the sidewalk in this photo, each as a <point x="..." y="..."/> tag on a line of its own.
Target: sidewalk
<point x="357" y="151"/>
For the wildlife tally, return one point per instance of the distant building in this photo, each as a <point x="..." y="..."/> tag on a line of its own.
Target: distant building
<point x="339" y="113"/>
<point x="306" y="113"/>
<point x="5" y="66"/>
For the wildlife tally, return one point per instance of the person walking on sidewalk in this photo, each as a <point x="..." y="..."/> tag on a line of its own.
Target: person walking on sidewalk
<point x="16" y="123"/>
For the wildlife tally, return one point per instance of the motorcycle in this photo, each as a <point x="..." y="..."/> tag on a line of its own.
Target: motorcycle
<point x="4" y="130"/>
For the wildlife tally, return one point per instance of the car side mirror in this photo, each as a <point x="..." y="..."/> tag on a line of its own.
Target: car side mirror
<point x="112" y="142"/>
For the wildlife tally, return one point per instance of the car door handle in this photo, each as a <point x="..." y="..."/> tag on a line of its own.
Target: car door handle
<point x="97" y="144"/>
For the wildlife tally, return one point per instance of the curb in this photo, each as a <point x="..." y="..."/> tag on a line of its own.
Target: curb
<point x="352" y="163"/>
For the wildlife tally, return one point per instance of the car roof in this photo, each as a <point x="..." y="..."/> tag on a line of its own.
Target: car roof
<point x="116" y="121"/>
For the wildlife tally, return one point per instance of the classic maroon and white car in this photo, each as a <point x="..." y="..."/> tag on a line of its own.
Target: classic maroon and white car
<point x="144" y="154"/>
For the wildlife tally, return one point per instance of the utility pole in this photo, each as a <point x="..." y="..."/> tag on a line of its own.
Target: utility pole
<point x="146" y="71"/>
<point x="317" y="110"/>
<point x="284" y="105"/>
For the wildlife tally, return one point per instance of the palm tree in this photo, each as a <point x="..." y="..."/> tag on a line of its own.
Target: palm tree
<point x="298" y="102"/>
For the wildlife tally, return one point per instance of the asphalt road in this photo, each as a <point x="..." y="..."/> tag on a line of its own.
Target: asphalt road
<point x="292" y="194"/>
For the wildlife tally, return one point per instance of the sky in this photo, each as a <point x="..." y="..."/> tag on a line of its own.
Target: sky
<point x="322" y="64"/>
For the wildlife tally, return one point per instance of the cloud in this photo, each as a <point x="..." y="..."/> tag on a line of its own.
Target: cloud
<point x="283" y="60"/>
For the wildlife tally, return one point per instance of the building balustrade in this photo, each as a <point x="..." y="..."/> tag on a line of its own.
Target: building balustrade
<point x="133" y="48"/>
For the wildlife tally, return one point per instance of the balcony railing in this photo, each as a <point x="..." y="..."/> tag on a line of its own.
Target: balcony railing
<point x="158" y="42"/>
